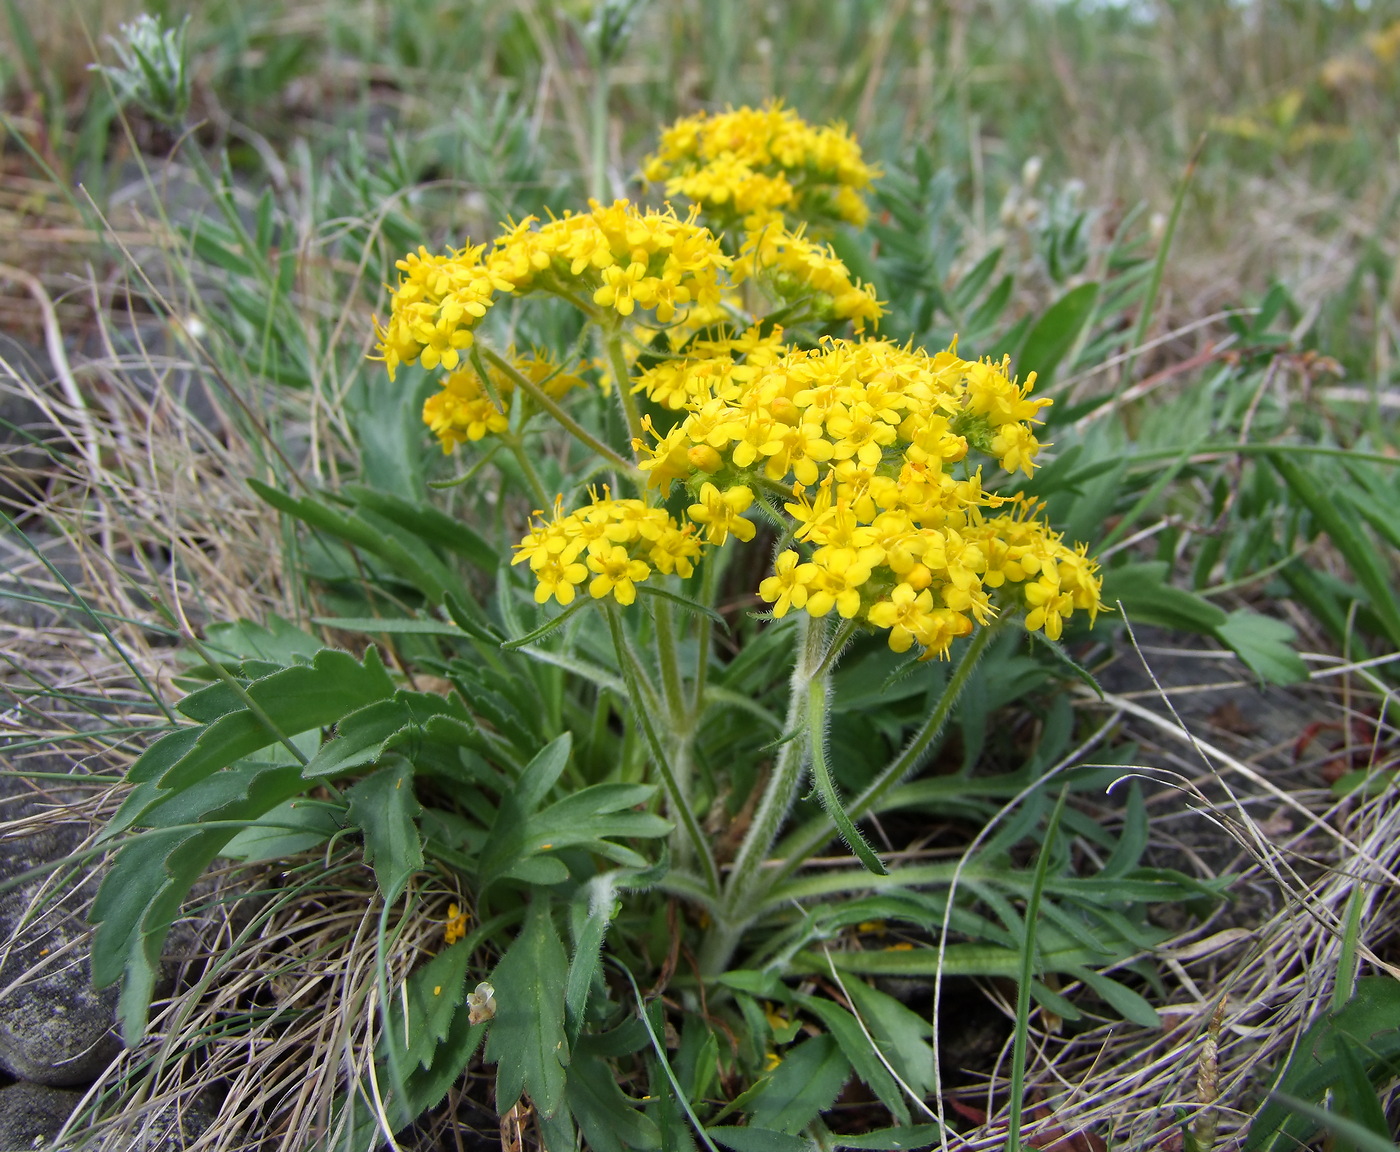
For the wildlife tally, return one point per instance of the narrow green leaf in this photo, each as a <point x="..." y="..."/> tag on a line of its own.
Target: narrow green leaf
<point x="755" y="1139"/>
<point x="1132" y="841"/>
<point x="901" y="1034"/>
<point x="1370" y="570"/>
<point x="601" y="896"/>
<point x="1358" y="1135"/>
<point x="826" y="787"/>
<point x="685" y="603"/>
<point x="1147" y="598"/>
<point x="547" y="627"/>
<point x="908" y="1139"/>
<point x="543" y="772"/>
<point x="1369" y="1024"/>
<point x="1056" y="333"/>
<point x="971" y="285"/>
<point x="401" y="626"/>
<point x="527" y="1041"/>
<point x="384" y="806"/>
<point x="271" y="836"/>
<point x="1121" y="999"/>
<point x="429" y="523"/>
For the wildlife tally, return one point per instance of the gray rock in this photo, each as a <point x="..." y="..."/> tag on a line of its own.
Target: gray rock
<point x="31" y="1114"/>
<point x="55" y="1028"/>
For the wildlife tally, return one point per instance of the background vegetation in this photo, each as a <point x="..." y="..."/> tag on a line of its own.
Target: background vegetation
<point x="1181" y="213"/>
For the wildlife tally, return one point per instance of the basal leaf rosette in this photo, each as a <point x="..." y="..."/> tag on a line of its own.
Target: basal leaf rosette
<point x="758" y="165"/>
<point x="868" y="452"/>
<point x="611" y="261"/>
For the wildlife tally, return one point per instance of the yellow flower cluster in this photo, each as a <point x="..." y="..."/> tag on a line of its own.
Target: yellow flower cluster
<point x="614" y="259"/>
<point x="465" y="410"/>
<point x="872" y="440"/>
<point x="613" y="544"/>
<point x="794" y="267"/>
<point x="710" y="366"/>
<point x="754" y="164"/>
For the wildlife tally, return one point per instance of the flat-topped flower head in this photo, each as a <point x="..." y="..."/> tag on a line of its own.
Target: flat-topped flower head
<point x="618" y="257"/>
<point x="436" y="305"/>
<point x="756" y="164"/>
<point x="614" y="544"/>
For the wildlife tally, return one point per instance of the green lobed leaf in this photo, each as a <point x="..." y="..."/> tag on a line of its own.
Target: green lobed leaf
<point x="385" y="808"/>
<point x="151" y="874"/>
<point x="803" y="1086"/>
<point x="755" y="1139"/>
<point x="1265" y="645"/>
<point x="435" y="993"/>
<point x="275" y="639"/>
<point x="605" y="1116"/>
<point x="527" y="1041"/>
<point x="294" y="700"/>
<point x="364" y="736"/>
<point x="860" y="1053"/>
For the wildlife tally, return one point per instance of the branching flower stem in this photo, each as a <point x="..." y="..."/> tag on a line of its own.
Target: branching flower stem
<point x="798" y="848"/>
<point x="622" y="381"/>
<point x="567" y="422"/>
<point x="631" y="675"/>
<point x="778" y="795"/>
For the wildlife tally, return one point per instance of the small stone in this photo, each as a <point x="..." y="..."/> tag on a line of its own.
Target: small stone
<point x="32" y="1114"/>
<point x="55" y="1028"/>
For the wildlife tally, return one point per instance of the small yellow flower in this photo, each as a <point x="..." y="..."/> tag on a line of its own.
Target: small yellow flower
<point x="787" y="587"/>
<point x="722" y="513"/>
<point x="617" y="573"/>
<point x="456" y="926"/>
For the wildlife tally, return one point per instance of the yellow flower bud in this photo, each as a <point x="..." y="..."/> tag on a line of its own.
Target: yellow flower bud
<point x="705" y="459"/>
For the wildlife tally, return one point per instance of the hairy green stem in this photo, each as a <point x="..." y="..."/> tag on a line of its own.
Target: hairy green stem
<point x="704" y="632"/>
<point x="627" y="661"/>
<point x="567" y="422"/>
<point x="532" y="477"/>
<point x="778" y="796"/>
<point x="622" y="381"/>
<point x="801" y="846"/>
<point x="672" y="687"/>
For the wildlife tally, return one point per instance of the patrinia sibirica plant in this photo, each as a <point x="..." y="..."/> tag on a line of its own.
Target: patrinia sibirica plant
<point x="717" y="479"/>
